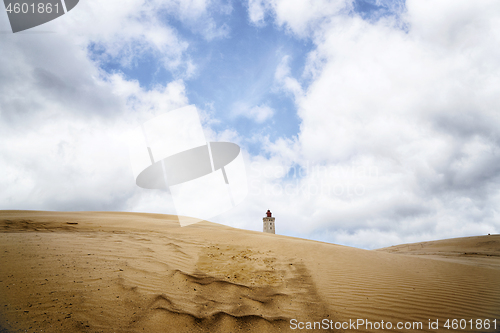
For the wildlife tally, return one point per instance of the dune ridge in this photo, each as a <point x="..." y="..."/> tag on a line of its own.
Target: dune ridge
<point x="134" y="272"/>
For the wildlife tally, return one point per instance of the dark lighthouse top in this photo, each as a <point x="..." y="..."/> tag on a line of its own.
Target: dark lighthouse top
<point x="268" y="213"/>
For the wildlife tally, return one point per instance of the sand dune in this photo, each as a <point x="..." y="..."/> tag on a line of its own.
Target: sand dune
<point x="127" y="272"/>
<point x="477" y="251"/>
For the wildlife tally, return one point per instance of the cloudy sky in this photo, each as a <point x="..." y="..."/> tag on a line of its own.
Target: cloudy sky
<point x="364" y="122"/>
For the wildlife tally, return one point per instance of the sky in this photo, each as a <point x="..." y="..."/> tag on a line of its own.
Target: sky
<point x="365" y="123"/>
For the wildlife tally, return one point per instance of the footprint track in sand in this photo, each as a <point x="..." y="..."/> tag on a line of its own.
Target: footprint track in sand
<point x="243" y="266"/>
<point x="230" y="284"/>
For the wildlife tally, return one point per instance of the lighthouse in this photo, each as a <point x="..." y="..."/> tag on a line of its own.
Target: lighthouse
<point x="268" y="221"/>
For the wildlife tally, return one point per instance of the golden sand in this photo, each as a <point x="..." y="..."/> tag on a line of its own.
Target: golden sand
<point x="130" y="272"/>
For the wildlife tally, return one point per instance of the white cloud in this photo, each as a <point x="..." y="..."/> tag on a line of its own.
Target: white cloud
<point x="402" y="123"/>
<point x="259" y="113"/>
<point x="133" y="29"/>
<point x="197" y="15"/>
<point x="80" y="163"/>
<point x="63" y="123"/>
<point x="284" y="79"/>
<point x="256" y="12"/>
<point x="125" y="31"/>
<point x="301" y="17"/>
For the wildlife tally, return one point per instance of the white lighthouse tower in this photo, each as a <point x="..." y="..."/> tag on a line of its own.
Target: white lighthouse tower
<point x="268" y="221"/>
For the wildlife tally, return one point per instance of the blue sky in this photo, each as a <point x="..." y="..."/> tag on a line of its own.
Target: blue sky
<point x="389" y="109"/>
<point x="236" y="68"/>
<point x="233" y="69"/>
